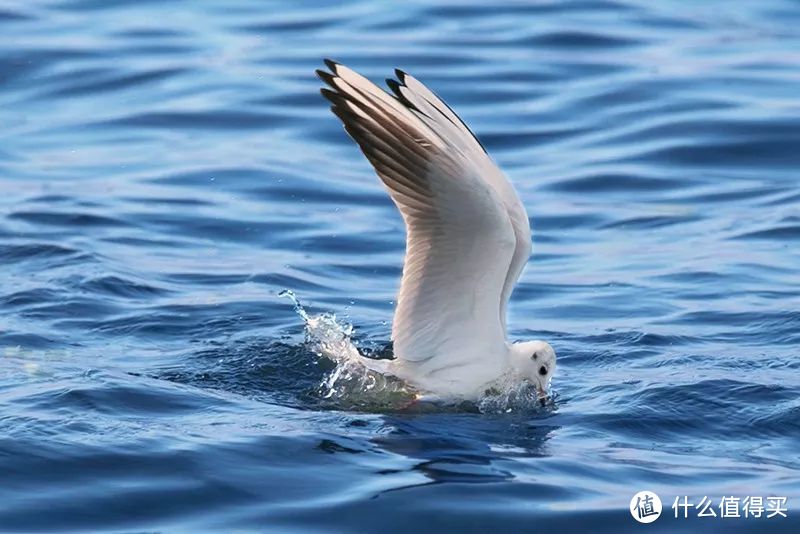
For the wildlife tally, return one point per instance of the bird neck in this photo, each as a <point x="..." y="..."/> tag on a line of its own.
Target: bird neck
<point x="518" y="356"/>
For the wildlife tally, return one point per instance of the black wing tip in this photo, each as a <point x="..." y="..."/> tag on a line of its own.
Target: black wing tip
<point x="325" y="76"/>
<point x="394" y="85"/>
<point x="330" y="94"/>
<point x="401" y="75"/>
<point x="331" y="64"/>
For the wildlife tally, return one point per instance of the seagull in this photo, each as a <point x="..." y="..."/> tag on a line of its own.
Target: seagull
<point x="467" y="240"/>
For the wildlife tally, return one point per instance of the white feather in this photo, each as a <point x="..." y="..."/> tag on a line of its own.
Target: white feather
<point x="467" y="233"/>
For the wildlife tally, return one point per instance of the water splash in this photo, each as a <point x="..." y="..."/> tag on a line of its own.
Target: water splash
<point x="350" y="384"/>
<point x="325" y="334"/>
<point x="512" y="394"/>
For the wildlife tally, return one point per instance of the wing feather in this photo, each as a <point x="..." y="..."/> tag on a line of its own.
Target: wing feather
<point x="461" y="240"/>
<point x="433" y="111"/>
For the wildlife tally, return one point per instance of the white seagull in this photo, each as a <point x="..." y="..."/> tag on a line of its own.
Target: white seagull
<point x="467" y="240"/>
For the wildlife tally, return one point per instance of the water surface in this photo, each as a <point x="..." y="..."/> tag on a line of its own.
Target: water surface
<point x="166" y="169"/>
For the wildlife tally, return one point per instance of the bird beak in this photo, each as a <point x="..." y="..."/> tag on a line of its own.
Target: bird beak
<point x="542" y="395"/>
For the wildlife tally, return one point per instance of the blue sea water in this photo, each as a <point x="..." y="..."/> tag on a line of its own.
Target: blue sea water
<point x="168" y="168"/>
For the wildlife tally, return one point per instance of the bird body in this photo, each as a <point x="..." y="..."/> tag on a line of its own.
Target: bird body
<point x="467" y="238"/>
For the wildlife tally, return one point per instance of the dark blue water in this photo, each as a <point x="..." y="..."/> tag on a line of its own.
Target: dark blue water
<point x="167" y="168"/>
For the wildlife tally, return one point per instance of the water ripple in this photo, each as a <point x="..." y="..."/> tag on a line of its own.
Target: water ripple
<point x="168" y="168"/>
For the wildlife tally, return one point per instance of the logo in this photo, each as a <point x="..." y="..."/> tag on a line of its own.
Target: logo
<point x="645" y="507"/>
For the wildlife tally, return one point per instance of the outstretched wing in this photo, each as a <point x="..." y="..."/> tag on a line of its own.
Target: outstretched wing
<point x="436" y="114"/>
<point x="461" y="238"/>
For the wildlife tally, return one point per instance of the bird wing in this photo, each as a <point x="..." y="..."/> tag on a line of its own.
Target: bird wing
<point x="462" y="240"/>
<point x="436" y="114"/>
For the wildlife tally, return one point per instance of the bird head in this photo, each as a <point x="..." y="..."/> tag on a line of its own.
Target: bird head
<point x="536" y="362"/>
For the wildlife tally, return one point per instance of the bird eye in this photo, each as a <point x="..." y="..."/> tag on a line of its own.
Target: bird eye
<point x="543" y="370"/>
<point x="534" y="356"/>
